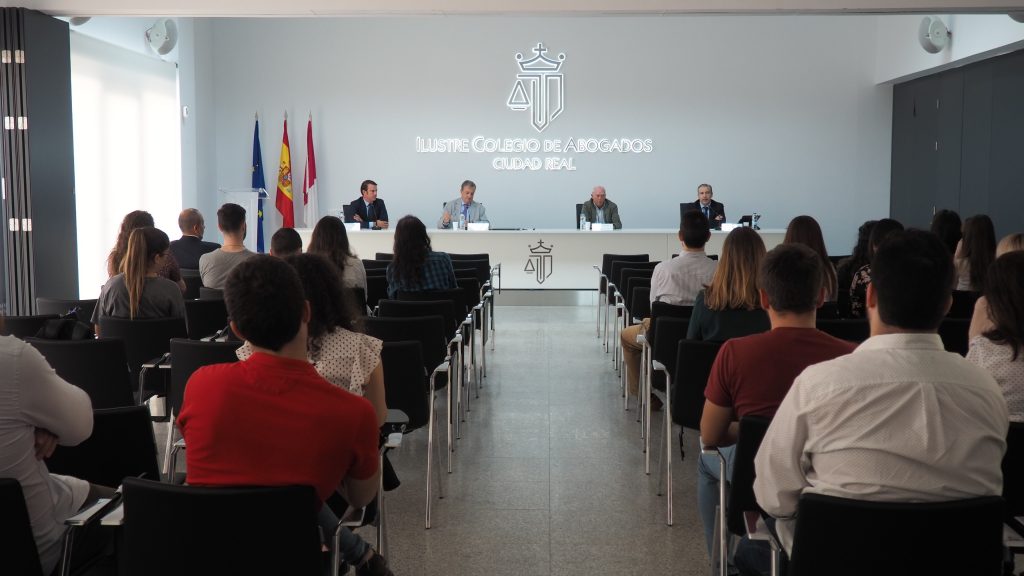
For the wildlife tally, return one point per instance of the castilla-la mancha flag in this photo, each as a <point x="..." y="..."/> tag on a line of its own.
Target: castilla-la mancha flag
<point x="309" y="179"/>
<point x="284" y="183"/>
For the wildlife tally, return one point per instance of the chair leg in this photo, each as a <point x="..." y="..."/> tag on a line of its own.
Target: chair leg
<point x="460" y="408"/>
<point x="168" y="471"/>
<point x="430" y="450"/>
<point x="668" y="450"/>
<point x="646" y="393"/>
<point x="382" y="544"/>
<point x="450" y="416"/>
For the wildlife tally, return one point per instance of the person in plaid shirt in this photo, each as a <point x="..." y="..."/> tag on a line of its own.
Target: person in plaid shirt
<point x="415" y="267"/>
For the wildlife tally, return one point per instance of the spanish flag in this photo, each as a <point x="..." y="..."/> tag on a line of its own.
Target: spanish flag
<point x="284" y="183"/>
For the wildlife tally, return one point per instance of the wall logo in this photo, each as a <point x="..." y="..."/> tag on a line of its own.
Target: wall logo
<point x="539" y="88"/>
<point x="540" y="261"/>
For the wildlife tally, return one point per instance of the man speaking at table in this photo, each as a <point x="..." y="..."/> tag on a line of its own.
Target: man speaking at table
<point x="713" y="211"/>
<point x="369" y="210"/>
<point x="599" y="209"/>
<point x="463" y="208"/>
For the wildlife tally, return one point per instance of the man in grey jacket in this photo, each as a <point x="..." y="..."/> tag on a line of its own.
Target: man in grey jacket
<point x="463" y="206"/>
<point x="600" y="209"/>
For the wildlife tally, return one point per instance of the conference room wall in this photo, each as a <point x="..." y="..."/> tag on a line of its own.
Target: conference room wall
<point x="781" y="114"/>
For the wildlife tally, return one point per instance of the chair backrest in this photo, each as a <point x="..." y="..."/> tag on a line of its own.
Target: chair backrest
<point x="121" y="445"/>
<point x="456" y="296"/>
<point x="407" y="307"/>
<point x="206" y="293"/>
<point x="205" y="317"/>
<point x="383" y="256"/>
<point x="1013" y="470"/>
<point x="741" y="490"/>
<point x="607" y="259"/>
<point x="660" y="309"/>
<point x="405" y="382"/>
<point x="618" y="266"/>
<point x="429" y="331"/>
<point x="579" y="210"/>
<point x="852" y="329"/>
<point x="376" y="289"/>
<point x="187" y="356"/>
<point x="639" y="301"/>
<point x="693" y="366"/>
<point x="839" y="537"/>
<point x="17" y="544"/>
<point x="144" y="339"/>
<point x="171" y="529"/>
<point x="828" y="311"/>
<point x="628" y="273"/>
<point x="380" y="265"/>
<point x="471" y="288"/>
<point x="963" y="304"/>
<point x="24" y="326"/>
<point x="100" y="367"/>
<point x="481" y="266"/>
<point x="193" y="281"/>
<point x="480" y="256"/>
<point x="665" y="339"/>
<point x="954" y="334"/>
<point x="61" y="306"/>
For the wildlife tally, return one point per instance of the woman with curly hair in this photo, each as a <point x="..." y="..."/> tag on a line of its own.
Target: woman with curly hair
<point x="339" y="352"/>
<point x="731" y="307"/>
<point x="975" y="253"/>
<point x="805" y="230"/>
<point x="859" y="286"/>
<point x="415" y="267"/>
<point x="330" y="239"/>
<point x="131" y="221"/>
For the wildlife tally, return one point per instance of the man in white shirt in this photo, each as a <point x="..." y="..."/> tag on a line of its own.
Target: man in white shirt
<point x="899" y="419"/>
<point x="676" y="281"/>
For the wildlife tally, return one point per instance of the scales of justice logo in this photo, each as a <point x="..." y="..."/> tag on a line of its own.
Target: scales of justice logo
<point x="539" y="88"/>
<point x="540" y="262"/>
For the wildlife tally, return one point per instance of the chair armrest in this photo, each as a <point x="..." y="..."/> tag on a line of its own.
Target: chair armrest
<point x="658" y="366"/>
<point x="86" y="516"/>
<point x="641" y="339"/>
<point x="396" y="417"/>
<point x="115" y="517"/>
<point x="158" y="362"/>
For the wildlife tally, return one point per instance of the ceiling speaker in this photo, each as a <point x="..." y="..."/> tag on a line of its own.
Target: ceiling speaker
<point x="163" y="36"/>
<point x="933" y="34"/>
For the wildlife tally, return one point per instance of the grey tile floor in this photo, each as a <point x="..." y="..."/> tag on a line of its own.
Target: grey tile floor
<point x="548" y="476"/>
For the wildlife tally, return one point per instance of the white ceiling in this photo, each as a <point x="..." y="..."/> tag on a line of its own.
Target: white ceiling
<point x="534" y="7"/>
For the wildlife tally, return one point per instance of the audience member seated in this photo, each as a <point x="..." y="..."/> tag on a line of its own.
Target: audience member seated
<point x="215" y="266"/>
<point x="133" y="220"/>
<point x="899" y="419"/>
<point x="805" y="230"/>
<point x="848" y="266"/>
<point x="415" y="267"/>
<point x="139" y="291"/>
<point x="999" y="349"/>
<point x="858" y="287"/>
<point x="285" y="242"/>
<point x="980" y="321"/>
<point x="975" y="253"/>
<point x="752" y="374"/>
<point x="271" y="420"/>
<point x="600" y="210"/>
<point x="947" y="226"/>
<point x="730" y="307"/>
<point x="676" y="281"/>
<point x="331" y="240"/>
<point x="38" y="411"/>
<point x="187" y="249"/>
<point x="346" y="358"/>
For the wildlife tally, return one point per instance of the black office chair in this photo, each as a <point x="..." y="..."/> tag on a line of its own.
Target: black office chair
<point x="193" y="282"/>
<point x="579" y="210"/>
<point x="100" y="367"/>
<point x="24" y="326"/>
<point x="376" y="290"/>
<point x="205" y="317"/>
<point x="187" y="356"/>
<point x="405" y="381"/>
<point x="376" y="266"/>
<point x="172" y="530"/>
<point x="602" y="287"/>
<point x="1013" y="477"/>
<point x="639" y="298"/>
<point x="61" y="306"/>
<point x="383" y="256"/>
<point x="954" y="334"/>
<point x="843" y="537"/>
<point x="210" y="293"/>
<point x="145" y="341"/>
<point x="122" y="445"/>
<point x="17" y="544"/>
<point x="851" y="329"/>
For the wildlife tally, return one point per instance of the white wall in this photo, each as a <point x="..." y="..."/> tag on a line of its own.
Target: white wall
<point x="780" y="114"/>
<point x="974" y="36"/>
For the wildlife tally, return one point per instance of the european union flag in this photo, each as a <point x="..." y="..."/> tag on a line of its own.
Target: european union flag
<point x="258" y="183"/>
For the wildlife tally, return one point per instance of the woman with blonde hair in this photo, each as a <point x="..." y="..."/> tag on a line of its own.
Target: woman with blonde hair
<point x="805" y="230"/>
<point x="730" y="306"/>
<point x="132" y="221"/>
<point x="138" y="291"/>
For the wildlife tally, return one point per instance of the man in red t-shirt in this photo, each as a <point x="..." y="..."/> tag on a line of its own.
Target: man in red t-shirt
<point x="272" y="420"/>
<point x="751" y="375"/>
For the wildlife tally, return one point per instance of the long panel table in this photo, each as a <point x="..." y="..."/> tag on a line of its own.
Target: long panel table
<point x="545" y="259"/>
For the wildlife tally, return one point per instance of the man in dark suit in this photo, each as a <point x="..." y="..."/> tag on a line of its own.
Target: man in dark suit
<point x="369" y="210"/>
<point x="190" y="246"/>
<point x="713" y="211"/>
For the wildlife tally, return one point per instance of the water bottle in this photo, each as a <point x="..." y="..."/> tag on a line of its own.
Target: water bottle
<point x="583" y="221"/>
<point x="462" y="221"/>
